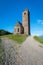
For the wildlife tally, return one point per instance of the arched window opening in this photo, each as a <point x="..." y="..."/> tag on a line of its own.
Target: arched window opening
<point x="18" y="29"/>
<point x="24" y="13"/>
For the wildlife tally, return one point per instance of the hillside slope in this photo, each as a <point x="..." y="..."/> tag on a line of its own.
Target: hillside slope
<point x="3" y="32"/>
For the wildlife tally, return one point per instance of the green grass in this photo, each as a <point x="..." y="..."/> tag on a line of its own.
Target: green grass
<point x="38" y="39"/>
<point x="18" y="38"/>
<point x="0" y="39"/>
<point x="1" y="50"/>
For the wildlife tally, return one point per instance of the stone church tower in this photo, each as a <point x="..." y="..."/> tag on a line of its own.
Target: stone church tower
<point x="26" y="21"/>
<point x="24" y="27"/>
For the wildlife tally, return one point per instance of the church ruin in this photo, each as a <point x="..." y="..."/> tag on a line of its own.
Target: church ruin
<point x="24" y="27"/>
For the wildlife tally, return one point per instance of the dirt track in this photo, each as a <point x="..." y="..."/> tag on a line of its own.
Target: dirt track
<point x="29" y="52"/>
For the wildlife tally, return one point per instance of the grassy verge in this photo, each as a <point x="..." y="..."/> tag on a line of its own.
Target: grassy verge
<point x="38" y="39"/>
<point x="0" y="39"/>
<point x="18" y="38"/>
<point x="1" y="50"/>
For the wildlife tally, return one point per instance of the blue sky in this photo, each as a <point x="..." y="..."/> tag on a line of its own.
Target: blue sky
<point x="11" y="12"/>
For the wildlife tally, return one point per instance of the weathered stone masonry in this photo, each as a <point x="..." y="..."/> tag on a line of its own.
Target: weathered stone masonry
<point x="24" y="27"/>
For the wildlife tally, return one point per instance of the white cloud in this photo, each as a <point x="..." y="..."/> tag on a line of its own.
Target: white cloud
<point x="40" y="21"/>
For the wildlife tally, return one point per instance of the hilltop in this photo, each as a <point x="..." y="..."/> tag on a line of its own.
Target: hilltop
<point x="3" y="32"/>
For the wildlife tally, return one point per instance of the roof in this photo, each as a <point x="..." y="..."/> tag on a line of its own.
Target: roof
<point x="18" y="24"/>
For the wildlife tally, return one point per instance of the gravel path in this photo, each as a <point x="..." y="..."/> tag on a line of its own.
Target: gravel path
<point x="30" y="52"/>
<point x="10" y="51"/>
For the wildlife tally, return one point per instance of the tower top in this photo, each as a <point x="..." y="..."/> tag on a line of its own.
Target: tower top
<point x="26" y="11"/>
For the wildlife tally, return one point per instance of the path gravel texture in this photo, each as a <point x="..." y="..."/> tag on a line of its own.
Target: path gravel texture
<point x="10" y="51"/>
<point x="30" y="52"/>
